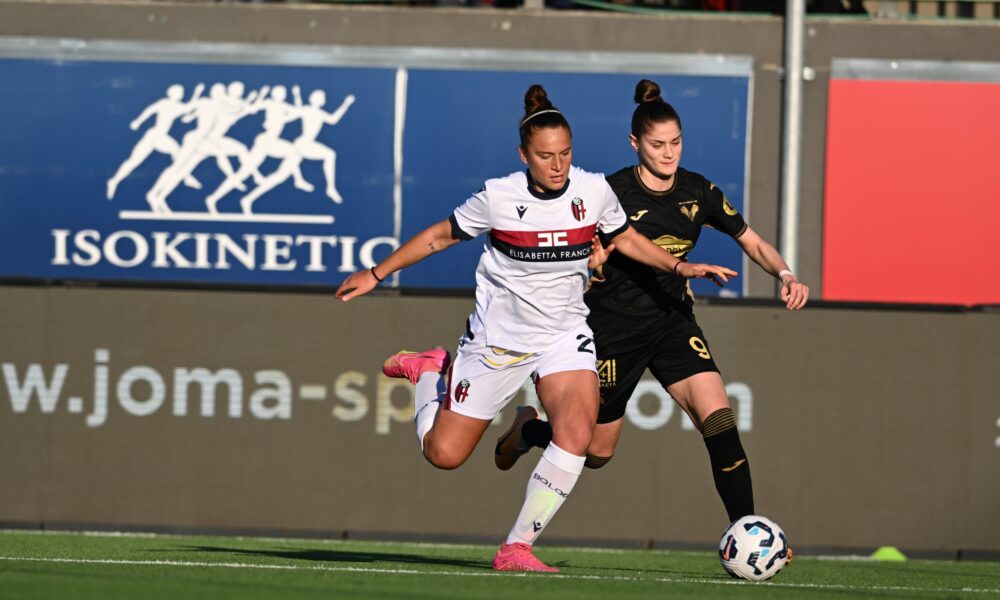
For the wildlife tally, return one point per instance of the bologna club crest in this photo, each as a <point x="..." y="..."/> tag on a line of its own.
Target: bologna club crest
<point x="462" y="391"/>
<point x="579" y="212"/>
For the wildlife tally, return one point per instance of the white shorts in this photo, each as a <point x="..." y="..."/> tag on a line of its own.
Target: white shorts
<point x="483" y="379"/>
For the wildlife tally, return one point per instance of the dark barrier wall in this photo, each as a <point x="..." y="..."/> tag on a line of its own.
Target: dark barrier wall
<point x="731" y="34"/>
<point x="268" y="411"/>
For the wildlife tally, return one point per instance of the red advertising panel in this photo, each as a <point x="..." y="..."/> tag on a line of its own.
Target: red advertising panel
<point x="912" y="192"/>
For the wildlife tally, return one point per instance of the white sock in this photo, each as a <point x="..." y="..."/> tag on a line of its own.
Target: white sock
<point x="427" y="398"/>
<point x="549" y="486"/>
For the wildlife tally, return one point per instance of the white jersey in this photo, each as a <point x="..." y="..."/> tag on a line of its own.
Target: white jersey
<point x="533" y="272"/>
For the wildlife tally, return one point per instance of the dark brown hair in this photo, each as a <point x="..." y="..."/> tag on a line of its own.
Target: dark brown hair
<point x="652" y="109"/>
<point x="535" y="100"/>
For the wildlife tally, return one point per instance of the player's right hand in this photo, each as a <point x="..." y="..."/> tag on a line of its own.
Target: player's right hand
<point x="719" y="275"/>
<point x="358" y="284"/>
<point x="794" y="293"/>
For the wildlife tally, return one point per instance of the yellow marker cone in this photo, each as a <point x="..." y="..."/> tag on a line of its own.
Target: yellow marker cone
<point x="888" y="553"/>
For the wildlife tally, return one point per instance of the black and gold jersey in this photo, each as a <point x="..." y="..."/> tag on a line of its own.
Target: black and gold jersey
<point x="629" y="297"/>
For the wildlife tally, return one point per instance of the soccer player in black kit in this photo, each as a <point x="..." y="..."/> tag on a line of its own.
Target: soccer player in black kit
<point x="643" y="319"/>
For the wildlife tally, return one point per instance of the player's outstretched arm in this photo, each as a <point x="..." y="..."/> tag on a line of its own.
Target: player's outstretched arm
<point x="793" y="293"/>
<point x="637" y="247"/>
<point x="435" y="238"/>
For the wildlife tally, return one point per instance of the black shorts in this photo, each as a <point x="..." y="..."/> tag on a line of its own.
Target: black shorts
<point x="673" y="353"/>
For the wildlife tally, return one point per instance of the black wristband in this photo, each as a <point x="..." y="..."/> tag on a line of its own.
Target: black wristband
<point x="375" y="275"/>
<point x="679" y="261"/>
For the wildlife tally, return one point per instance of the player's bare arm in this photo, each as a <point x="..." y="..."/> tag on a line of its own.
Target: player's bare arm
<point x="794" y="293"/>
<point x="637" y="247"/>
<point x="435" y="238"/>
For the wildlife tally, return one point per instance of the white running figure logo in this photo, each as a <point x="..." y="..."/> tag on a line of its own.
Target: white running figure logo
<point x="215" y="115"/>
<point x="305" y="146"/>
<point x="158" y="136"/>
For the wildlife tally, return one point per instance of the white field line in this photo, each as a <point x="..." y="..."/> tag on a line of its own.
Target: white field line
<point x="181" y="563"/>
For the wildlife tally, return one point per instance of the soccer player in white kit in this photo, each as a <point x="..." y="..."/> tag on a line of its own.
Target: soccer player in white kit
<point x="530" y="319"/>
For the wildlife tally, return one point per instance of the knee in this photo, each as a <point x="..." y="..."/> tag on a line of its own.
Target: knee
<point x="574" y="442"/>
<point x="442" y="458"/>
<point x="573" y="435"/>
<point x="596" y="462"/>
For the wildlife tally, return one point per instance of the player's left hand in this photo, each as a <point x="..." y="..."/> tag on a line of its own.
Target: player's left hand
<point x="718" y="275"/>
<point x="794" y="293"/>
<point x="358" y="284"/>
<point x="598" y="253"/>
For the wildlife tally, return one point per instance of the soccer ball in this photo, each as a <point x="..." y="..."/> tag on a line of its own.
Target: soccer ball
<point x="754" y="547"/>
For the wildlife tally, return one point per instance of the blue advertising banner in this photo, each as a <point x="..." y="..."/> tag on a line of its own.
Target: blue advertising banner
<point x="278" y="165"/>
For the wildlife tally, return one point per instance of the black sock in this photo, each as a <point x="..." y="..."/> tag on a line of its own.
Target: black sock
<point x="536" y="432"/>
<point x="730" y="467"/>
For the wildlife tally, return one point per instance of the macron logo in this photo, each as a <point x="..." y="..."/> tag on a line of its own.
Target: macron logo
<point x="520" y="211"/>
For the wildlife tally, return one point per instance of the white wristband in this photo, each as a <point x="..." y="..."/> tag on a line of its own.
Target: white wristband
<point x="782" y="273"/>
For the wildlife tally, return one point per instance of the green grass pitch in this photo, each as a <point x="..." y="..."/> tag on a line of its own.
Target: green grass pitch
<point x="106" y="566"/>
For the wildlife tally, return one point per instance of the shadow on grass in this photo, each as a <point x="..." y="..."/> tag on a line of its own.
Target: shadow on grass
<point x="388" y="559"/>
<point x="345" y="556"/>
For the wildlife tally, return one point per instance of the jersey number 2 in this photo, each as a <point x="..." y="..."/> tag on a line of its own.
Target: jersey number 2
<point x="586" y="342"/>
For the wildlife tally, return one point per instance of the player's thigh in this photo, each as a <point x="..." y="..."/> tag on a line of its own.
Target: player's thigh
<point x="452" y="439"/>
<point x="700" y="395"/>
<point x="568" y="389"/>
<point x="570" y="399"/>
<point x="684" y="366"/>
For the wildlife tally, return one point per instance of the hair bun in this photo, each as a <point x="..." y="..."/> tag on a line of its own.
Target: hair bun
<point x="647" y="91"/>
<point x="536" y="99"/>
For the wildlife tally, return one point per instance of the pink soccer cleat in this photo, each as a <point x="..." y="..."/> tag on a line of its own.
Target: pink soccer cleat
<point x="412" y="364"/>
<point x="518" y="557"/>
